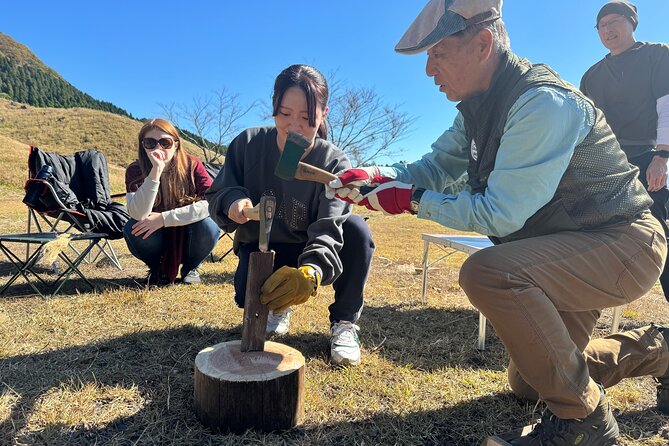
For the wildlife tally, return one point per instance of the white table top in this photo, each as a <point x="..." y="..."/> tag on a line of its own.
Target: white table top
<point x="465" y="243"/>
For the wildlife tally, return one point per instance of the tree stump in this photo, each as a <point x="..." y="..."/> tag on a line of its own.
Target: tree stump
<point x="236" y="390"/>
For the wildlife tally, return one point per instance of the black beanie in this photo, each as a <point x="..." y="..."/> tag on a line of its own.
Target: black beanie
<point x="619" y="7"/>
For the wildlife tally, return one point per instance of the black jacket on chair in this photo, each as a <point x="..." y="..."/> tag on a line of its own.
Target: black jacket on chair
<point x="78" y="185"/>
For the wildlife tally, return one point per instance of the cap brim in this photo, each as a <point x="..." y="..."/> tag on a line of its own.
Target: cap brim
<point x="419" y="37"/>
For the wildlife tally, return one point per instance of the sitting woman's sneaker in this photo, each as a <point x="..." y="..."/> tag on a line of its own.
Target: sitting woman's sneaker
<point x="193" y="276"/>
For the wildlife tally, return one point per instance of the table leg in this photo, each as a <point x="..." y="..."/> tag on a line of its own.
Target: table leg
<point x="480" y="343"/>
<point x="615" y="321"/>
<point x="426" y="247"/>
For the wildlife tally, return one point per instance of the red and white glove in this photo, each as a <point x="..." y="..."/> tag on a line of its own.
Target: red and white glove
<point x="349" y="179"/>
<point x="390" y="197"/>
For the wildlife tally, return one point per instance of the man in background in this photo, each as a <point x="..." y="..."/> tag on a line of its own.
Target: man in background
<point x="631" y="86"/>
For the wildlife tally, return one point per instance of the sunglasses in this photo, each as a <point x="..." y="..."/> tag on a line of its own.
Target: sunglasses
<point x="151" y="143"/>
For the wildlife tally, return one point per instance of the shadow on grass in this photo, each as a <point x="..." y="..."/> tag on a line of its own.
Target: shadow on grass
<point x="430" y="338"/>
<point x="424" y="339"/>
<point x="159" y="364"/>
<point x="219" y="278"/>
<point x="74" y="285"/>
<point x="7" y="268"/>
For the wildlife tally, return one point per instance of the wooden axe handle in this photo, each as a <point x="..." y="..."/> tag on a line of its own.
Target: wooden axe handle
<point x="252" y="213"/>
<point x="308" y="172"/>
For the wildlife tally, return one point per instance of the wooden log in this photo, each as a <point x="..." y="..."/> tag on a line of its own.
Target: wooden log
<point x="236" y="391"/>
<point x="255" y="313"/>
<point x="505" y="438"/>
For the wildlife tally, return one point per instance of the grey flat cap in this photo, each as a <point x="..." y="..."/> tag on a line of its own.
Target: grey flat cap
<point x="442" y="18"/>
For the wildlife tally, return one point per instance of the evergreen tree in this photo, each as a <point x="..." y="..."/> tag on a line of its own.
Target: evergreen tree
<point x="33" y="85"/>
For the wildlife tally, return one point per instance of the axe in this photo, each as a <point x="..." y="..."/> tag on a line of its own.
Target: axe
<point x="290" y="167"/>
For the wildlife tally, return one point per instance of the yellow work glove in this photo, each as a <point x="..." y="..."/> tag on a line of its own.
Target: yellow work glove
<point x="289" y="286"/>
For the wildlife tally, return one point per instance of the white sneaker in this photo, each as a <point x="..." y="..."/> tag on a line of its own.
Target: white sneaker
<point x="278" y="324"/>
<point x="192" y="277"/>
<point x="344" y="343"/>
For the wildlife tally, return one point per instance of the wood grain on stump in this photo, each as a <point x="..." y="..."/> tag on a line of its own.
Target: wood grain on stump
<point x="236" y="390"/>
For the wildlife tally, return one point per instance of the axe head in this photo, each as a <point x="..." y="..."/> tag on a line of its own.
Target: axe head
<point x="295" y="146"/>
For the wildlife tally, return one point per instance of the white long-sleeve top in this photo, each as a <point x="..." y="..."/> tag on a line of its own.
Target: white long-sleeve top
<point x="140" y="205"/>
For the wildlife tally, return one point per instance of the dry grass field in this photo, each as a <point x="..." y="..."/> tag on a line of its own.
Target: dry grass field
<point x="115" y="366"/>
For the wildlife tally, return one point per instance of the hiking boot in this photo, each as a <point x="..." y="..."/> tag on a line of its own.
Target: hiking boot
<point x="193" y="276"/>
<point x="597" y="429"/>
<point x="663" y="381"/>
<point x="278" y="324"/>
<point x="344" y="343"/>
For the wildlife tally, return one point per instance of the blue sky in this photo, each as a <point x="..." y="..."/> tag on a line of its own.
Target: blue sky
<point x="137" y="54"/>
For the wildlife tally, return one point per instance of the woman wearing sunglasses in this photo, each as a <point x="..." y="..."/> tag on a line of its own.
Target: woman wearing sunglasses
<point x="170" y="224"/>
<point x="317" y="241"/>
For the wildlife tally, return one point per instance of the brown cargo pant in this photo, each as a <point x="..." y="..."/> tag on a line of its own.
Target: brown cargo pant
<point x="543" y="295"/>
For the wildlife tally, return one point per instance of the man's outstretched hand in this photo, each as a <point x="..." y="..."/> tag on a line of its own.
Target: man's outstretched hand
<point x="390" y="197"/>
<point x="350" y="179"/>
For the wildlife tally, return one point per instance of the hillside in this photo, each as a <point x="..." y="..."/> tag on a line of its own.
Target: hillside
<point x="25" y="78"/>
<point x="64" y="131"/>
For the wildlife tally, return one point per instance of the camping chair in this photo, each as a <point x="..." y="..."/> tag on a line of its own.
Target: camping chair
<point x="214" y="169"/>
<point x="74" y="192"/>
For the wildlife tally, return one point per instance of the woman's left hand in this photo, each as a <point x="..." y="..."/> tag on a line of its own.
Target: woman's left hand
<point x="148" y="226"/>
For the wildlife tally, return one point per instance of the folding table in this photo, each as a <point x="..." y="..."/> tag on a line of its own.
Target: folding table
<point x="469" y="244"/>
<point x="27" y="268"/>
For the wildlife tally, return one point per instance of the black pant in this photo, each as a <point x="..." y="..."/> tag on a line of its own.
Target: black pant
<point x="658" y="209"/>
<point x="356" y="258"/>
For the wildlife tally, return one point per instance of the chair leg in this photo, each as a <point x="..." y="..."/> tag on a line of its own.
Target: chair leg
<point x="111" y="255"/>
<point x="211" y="254"/>
<point x="104" y="248"/>
<point x="32" y="218"/>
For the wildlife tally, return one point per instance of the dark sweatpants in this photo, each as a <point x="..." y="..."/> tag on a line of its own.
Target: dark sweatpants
<point x="355" y="255"/>
<point x="658" y="209"/>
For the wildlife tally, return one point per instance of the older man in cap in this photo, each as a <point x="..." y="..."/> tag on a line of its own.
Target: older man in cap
<point x="631" y="86"/>
<point x="549" y="184"/>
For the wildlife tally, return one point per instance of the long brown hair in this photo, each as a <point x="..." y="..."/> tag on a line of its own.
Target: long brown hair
<point x="177" y="184"/>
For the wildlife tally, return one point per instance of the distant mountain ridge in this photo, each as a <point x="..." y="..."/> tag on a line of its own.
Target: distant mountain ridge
<point x="25" y="78"/>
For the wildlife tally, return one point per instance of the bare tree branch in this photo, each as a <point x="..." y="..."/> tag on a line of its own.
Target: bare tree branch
<point x="209" y="121"/>
<point x="359" y="122"/>
<point x="362" y="125"/>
